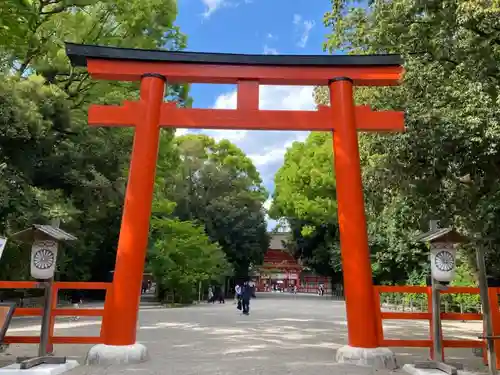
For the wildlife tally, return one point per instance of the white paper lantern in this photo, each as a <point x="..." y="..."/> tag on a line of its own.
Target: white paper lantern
<point x="443" y="261"/>
<point x="43" y="259"/>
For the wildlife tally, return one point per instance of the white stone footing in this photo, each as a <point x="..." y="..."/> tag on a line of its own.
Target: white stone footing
<point x="44" y="369"/>
<point x="114" y="355"/>
<point x="411" y="369"/>
<point x="378" y="358"/>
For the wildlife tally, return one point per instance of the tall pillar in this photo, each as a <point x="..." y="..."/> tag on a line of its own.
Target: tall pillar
<point x="120" y="322"/>
<point x="356" y="265"/>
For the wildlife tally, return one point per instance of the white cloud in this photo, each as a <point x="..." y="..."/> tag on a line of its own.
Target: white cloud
<point x="270" y="51"/>
<point x="270" y="146"/>
<point x="277" y="152"/>
<point x="211" y="6"/>
<point x="274" y="97"/>
<point x="308" y="25"/>
<point x="305" y="27"/>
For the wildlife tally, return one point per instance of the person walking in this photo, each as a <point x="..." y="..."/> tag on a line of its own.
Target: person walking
<point x="144" y="286"/>
<point x="211" y="295"/>
<point x="246" y="294"/>
<point x="237" y="293"/>
<point x="220" y="295"/>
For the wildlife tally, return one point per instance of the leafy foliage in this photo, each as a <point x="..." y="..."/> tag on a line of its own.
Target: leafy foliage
<point x="305" y="196"/>
<point x="182" y="256"/>
<point x="445" y="165"/>
<point x="52" y="163"/>
<point x="218" y="186"/>
<point x="50" y="171"/>
<point x="34" y="32"/>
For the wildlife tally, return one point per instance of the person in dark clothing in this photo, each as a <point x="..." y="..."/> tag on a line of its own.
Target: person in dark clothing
<point x="220" y="295"/>
<point x="246" y="294"/>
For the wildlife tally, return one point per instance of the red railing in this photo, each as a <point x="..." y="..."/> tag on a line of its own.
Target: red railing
<point x="55" y="311"/>
<point x="464" y="343"/>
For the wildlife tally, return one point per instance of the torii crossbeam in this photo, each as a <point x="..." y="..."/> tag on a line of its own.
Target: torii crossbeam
<point x="342" y="117"/>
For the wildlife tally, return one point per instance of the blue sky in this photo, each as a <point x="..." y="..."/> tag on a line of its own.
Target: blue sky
<point x="255" y="27"/>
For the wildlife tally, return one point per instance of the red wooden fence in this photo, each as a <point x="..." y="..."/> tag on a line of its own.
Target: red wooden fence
<point x="428" y="343"/>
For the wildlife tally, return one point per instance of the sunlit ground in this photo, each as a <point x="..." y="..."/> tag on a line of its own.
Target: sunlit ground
<point x="282" y="335"/>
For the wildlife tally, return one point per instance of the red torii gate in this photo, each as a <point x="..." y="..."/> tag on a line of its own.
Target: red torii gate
<point x="342" y="117"/>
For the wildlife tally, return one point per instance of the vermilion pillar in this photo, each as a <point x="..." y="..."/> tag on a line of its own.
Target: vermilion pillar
<point x="358" y="288"/>
<point x="121" y="322"/>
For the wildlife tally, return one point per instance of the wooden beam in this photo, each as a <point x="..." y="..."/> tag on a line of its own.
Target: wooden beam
<point x="245" y="119"/>
<point x="247" y="95"/>
<point x="120" y="70"/>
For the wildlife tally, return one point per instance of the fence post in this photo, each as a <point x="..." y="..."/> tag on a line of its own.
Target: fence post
<point x="495" y="320"/>
<point x="429" y="309"/>
<point x="107" y="315"/>
<point x="53" y="306"/>
<point x="378" y="316"/>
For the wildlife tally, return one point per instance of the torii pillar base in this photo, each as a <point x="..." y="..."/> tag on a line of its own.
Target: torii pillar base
<point x="377" y="358"/>
<point x="105" y="355"/>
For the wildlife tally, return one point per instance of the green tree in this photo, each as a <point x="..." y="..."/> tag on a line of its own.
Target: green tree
<point x="182" y="256"/>
<point x="52" y="163"/>
<point x="305" y="196"/>
<point x="445" y="165"/>
<point x="49" y="172"/>
<point x="218" y="186"/>
<point x="33" y="33"/>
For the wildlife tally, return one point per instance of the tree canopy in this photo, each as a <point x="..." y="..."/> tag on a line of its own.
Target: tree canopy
<point x="182" y="256"/>
<point x="219" y="186"/>
<point x="53" y="165"/>
<point x="305" y="196"/>
<point x="445" y="165"/>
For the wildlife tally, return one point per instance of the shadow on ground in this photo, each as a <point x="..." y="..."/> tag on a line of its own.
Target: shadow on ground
<point x="281" y="336"/>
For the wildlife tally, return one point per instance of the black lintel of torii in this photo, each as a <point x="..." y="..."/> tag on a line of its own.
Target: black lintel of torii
<point x="79" y="53"/>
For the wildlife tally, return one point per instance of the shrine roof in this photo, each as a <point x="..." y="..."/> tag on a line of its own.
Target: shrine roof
<point x="49" y="230"/>
<point x="79" y="53"/>
<point x="441" y="235"/>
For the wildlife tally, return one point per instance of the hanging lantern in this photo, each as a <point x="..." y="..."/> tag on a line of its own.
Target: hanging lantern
<point x="443" y="261"/>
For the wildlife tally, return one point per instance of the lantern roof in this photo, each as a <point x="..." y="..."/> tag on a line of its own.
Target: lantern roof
<point x="27" y="235"/>
<point x="447" y="235"/>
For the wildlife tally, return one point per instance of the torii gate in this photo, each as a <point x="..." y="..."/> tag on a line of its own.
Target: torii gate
<point x="155" y="68"/>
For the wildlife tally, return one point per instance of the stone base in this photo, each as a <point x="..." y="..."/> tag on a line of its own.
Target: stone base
<point x="411" y="369"/>
<point x="115" y="355"/>
<point x="43" y="369"/>
<point x="377" y="358"/>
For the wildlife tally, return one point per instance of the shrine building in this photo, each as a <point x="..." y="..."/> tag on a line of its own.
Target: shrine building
<point x="280" y="271"/>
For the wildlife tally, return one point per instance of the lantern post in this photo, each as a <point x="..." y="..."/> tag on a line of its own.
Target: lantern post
<point x="442" y="243"/>
<point x="45" y="241"/>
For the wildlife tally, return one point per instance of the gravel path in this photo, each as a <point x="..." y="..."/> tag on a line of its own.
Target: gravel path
<point x="283" y="335"/>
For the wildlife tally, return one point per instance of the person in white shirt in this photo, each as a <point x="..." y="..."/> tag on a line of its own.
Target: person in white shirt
<point x="237" y="293"/>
